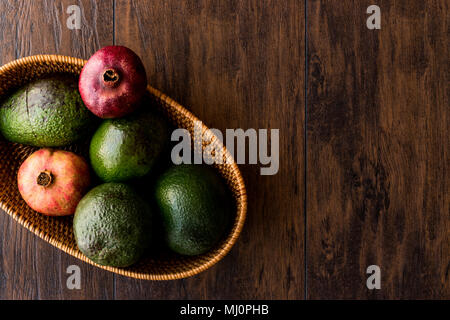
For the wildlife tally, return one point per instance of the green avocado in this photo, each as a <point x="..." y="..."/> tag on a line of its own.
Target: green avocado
<point x="126" y="148"/>
<point x="46" y="113"/>
<point x="195" y="208"/>
<point x="112" y="225"/>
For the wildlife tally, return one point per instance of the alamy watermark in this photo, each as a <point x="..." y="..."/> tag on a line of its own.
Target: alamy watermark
<point x="73" y="22"/>
<point x="374" y="20"/>
<point x="236" y="145"/>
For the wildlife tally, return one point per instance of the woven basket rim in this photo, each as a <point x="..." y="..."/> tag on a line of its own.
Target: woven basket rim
<point x="232" y="236"/>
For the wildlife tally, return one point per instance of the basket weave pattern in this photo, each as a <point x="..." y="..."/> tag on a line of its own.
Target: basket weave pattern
<point x="58" y="230"/>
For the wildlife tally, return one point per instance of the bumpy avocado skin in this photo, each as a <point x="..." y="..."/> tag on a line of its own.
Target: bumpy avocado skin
<point x="112" y="225"/>
<point x="46" y="113"/>
<point x="126" y="148"/>
<point x="195" y="208"/>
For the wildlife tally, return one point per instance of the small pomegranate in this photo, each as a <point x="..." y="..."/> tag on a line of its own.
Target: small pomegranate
<point x="52" y="182"/>
<point x="112" y="82"/>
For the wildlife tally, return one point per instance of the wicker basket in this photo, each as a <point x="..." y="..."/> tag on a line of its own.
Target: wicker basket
<point x="58" y="230"/>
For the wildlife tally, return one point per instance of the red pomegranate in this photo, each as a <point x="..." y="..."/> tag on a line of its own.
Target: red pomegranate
<point x="112" y="82"/>
<point x="52" y="182"/>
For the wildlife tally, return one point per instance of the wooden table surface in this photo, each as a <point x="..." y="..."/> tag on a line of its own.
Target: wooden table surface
<point x="363" y="119"/>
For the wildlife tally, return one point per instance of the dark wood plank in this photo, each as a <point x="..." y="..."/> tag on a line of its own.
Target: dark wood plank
<point x="30" y="268"/>
<point x="377" y="153"/>
<point x="235" y="64"/>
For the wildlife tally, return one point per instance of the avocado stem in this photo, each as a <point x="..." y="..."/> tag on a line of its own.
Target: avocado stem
<point x="45" y="178"/>
<point x="110" y="78"/>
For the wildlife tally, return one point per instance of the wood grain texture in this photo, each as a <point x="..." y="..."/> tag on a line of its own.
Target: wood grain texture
<point x="235" y="64"/>
<point x="377" y="169"/>
<point x="29" y="267"/>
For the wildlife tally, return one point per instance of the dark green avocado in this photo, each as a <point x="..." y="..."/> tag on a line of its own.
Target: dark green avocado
<point x="126" y="148"/>
<point x="112" y="225"/>
<point x="195" y="208"/>
<point x="46" y="113"/>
